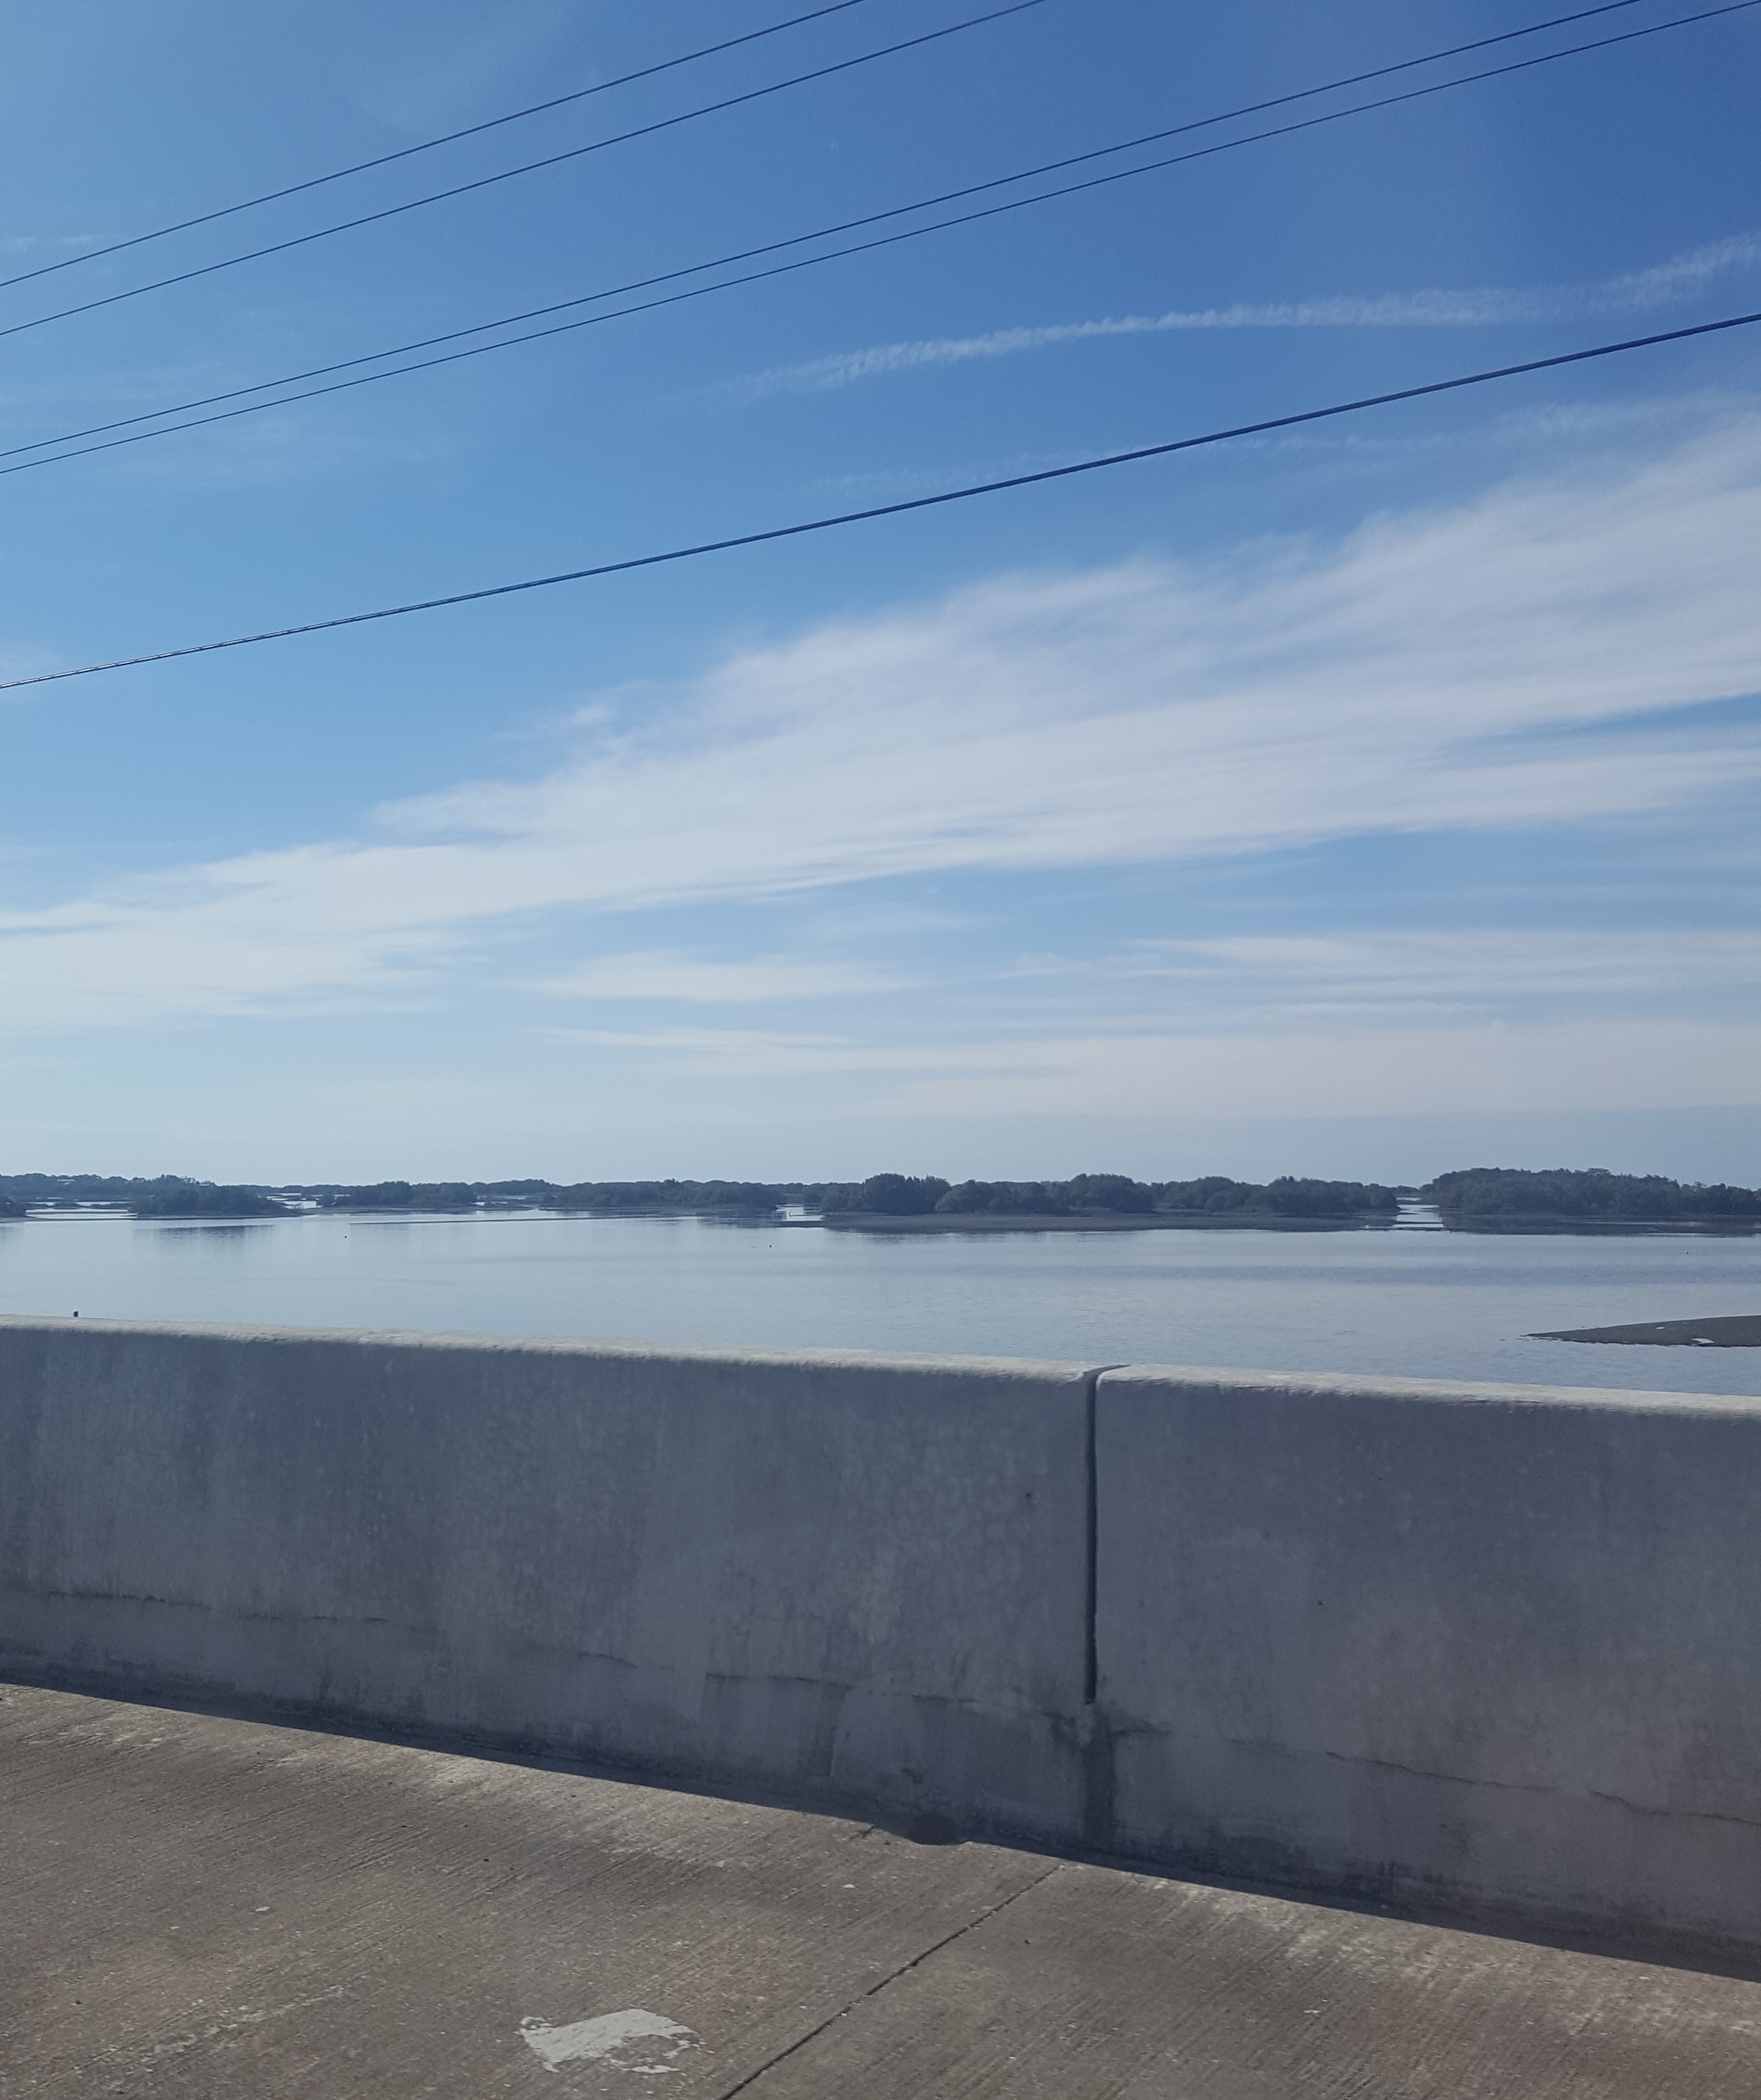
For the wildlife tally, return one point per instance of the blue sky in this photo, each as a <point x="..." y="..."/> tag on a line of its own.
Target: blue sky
<point x="1373" y="800"/>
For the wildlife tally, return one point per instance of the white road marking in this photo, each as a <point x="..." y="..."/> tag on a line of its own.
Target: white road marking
<point x="632" y="2041"/>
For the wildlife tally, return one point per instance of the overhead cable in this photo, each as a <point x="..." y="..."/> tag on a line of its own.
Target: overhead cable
<point x="127" y="423"/>
<point x="427" y="145"/>
<point x="895" y="510"/>
<point x="597" y="145"/>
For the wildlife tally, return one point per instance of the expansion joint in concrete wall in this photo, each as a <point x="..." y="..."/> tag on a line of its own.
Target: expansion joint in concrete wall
<point x="1096" y="1736"/>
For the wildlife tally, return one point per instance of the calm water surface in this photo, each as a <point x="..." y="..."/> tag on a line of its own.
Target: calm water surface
<point x="1428" y="1304"/>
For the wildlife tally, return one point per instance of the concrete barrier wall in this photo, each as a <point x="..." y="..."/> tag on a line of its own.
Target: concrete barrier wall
<point x="848" y="1579"/>
<point x="1496" y="1650"/>
<point x="1495" y="1647"/>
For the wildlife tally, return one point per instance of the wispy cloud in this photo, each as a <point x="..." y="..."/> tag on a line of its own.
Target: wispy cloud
<point x="1685" y="277"/>
<point x="666" y="975"/>
<point x="1400" y="971"/>
<point x="41" y="244"/>
<point x="1533" y="658"/>
<point x="1559" y="1067"/>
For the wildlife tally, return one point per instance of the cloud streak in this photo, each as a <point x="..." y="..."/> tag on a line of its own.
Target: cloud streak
<point x="29" y="244"/>
<point x="666" y="975"/>
<point x="1535" y="658"/>
<point x="1640" y="291"/>
<point x="1561" y="1066"/>
<point x="1400" y="971"/>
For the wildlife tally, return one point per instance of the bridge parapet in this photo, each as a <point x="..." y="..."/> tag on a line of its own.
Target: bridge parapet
<point x="1467" y="1649"/>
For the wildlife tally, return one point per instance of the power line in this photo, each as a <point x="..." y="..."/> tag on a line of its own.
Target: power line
<point x="359" y="167"/>
<point x="447" y="138"/>
<point x="1249" y="109"/>
<point x="598" y="145"/>
<point x="799" y="239"/>
<point x="895" y="510"/>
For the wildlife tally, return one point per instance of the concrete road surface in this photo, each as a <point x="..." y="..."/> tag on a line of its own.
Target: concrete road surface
<point x="198" y="1906"/>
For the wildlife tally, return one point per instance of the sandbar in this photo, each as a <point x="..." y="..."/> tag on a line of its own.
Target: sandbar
<point x="1739" y="1330"/>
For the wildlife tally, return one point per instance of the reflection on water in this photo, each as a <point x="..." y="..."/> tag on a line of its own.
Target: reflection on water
<point x="1415" y="1304"/>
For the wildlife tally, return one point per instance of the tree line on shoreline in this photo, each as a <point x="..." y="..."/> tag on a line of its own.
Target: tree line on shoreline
<point x="1510" y="1195"/>
<point x="1482" y="1199"/>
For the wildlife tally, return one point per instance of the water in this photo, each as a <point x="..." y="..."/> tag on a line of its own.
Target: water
<point x="1416" y="1304"/>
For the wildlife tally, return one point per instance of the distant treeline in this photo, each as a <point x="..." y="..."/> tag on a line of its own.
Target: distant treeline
<point x="881" y="1195"/>
<point x="206" y="1200"/>
<point x="1113" y="1195"/>
<point x="85" y="1188"/>
<point x="164" y="1196"/>
<point x="1483" y="1198"/>
<point x="1491" y="1195"/>
<point x="667" y="1196"/>
<point x="889" y="1196"/>
<point x="1480" y="1195"/>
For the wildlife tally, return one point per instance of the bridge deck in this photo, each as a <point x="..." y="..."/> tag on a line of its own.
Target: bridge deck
<point x="199" y="1906"/>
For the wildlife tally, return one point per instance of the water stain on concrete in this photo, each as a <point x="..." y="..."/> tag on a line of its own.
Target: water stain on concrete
<point x="643" y="2042"/>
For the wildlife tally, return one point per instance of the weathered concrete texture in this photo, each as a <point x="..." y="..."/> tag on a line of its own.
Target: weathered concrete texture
<point x="1481" y="1647"/>
<point x="198" y="1908"/>
<point x="1470" y="1645"/>
<point x="845" y="1578"/>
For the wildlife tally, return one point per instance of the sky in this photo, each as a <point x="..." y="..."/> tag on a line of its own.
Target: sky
<point x="1369" y="798"/>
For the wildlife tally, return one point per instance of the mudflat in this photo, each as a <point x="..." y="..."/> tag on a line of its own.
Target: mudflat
<point x="1738" y="1330"/>
<point x="1103" y="1221"/>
